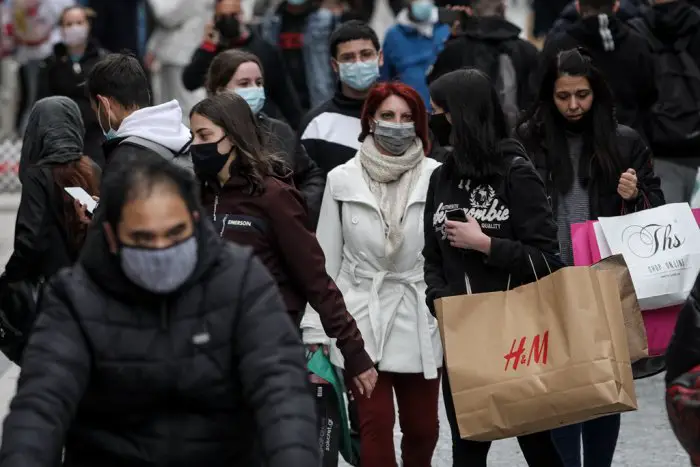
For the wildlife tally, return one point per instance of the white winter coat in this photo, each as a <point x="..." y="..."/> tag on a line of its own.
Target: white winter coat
<point x="179" y="29"/>
<point x="399" y="332"/>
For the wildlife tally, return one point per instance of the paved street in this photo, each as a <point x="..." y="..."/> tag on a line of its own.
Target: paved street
<point x="645" y="441"/>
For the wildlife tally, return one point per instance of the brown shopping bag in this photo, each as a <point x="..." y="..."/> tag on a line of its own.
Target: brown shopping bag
<point x="634" y="322"/>
<point x="544" y="355"/>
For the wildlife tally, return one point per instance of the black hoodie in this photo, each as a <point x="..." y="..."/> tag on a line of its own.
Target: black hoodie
<point x="511" y="208"/>
<point x="481" y="42"/>
<point x="672" y="21"/>
<point x="120" y="376"/>
<point x="624" y="58"/>
<point x="54" y="138"/>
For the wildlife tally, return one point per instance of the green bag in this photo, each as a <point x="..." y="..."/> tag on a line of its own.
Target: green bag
<point x="320" y="365"/>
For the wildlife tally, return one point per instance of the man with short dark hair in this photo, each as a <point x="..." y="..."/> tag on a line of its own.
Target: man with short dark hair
<point x="118" y="90"/>
<point x="622" y="55"/>
<point x="329" y="132"/>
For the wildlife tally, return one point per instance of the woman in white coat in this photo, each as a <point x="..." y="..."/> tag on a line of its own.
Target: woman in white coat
<point x="371" y="231"/>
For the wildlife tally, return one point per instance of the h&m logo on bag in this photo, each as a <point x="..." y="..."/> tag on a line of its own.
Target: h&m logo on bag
<point x="537" y="352"/>
<point x="646" y="241"/>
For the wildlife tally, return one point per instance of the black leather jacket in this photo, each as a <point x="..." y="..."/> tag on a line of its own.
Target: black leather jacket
<point x="308" y="177"/>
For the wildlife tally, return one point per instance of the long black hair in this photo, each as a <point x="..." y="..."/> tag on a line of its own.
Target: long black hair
<point x="543" y="126"/>
<point x="253" y="162"/>
<point x="478" y="122"/>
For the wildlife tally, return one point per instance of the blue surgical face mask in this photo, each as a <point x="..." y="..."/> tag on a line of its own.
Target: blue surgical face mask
<point x="422" y="10"/>
<point x="109" y="134"/>
<point x="359" y="75"/>
<point x="255" y="97"/>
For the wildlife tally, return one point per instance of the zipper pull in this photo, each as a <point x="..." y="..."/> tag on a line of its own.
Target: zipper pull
<point x="216" y="205"/>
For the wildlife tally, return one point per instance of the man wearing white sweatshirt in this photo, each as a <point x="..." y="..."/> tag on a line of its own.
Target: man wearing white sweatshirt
<point x="118" y="91"/>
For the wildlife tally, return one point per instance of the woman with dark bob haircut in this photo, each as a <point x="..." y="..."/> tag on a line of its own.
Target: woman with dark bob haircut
<point x="241" y="72"/>
<point x="487" y="224"/>
<point x="252" y="201"/>
<point x="371" y="227"/>
<point x="592" y="168"/>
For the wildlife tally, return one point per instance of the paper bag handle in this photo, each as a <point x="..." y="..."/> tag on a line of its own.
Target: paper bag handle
<point x="534" y="271"/>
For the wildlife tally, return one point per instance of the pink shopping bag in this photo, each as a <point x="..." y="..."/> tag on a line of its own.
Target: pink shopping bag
<point x="659" y="323"/>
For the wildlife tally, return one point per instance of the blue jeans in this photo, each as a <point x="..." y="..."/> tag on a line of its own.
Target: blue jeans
<point x="599" y="438"/>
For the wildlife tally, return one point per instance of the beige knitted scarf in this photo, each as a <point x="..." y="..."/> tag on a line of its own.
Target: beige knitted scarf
<point x="391" y="179"/>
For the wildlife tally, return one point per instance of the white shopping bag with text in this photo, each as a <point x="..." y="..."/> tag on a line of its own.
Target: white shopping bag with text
<point x="661" y="247"/>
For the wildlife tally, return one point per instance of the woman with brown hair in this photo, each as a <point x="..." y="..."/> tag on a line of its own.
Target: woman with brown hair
<point x="241" y="72"/>
<point x="251" y="201"/>
<point x="48" y="232"/>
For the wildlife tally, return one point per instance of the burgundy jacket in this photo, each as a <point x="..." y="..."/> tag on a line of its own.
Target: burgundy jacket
<point x="275" y="224"/>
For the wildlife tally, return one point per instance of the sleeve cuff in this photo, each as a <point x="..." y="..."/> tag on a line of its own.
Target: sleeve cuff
<point x="497" y="256"/>
<point x="357" y="363"/>
<point x="208" y="46"/>
<point x="313" y="336"/>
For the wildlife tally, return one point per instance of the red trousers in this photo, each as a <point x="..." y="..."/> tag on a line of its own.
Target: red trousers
<point x="417" y="399"/>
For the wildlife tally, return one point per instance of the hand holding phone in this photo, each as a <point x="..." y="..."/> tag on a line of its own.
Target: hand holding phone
<point x="456" y="215"/>
<point x="83" y="197"/>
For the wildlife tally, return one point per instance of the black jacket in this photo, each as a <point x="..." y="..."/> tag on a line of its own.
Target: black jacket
<point x="282" y="100"/>
<point x="604" y="200"/>
<point x="511" y="208"/>
<point x="42" y="243"/>
<point x="116" y="24"/>
<point x="115" y="374"/>
<point x="490" y="36"/>
<point x="683" y="352"/>
<point x="59" y="76"/>
<point x="308" y="177"/>
<point x="672" y="21"/>
<point x="569" y="15"/>
<point x="628" y="68"/>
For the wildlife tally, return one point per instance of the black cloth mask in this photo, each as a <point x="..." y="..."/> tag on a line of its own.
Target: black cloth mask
<point x="441" y="128"/>
<point x="229" y="26"/>
<point x="207" y="159"/>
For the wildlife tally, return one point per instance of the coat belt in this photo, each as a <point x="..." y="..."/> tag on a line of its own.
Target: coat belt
<point x="382" y="320"/>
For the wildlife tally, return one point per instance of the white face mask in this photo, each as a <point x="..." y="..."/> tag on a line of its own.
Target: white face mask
<point x="75" y="35"/>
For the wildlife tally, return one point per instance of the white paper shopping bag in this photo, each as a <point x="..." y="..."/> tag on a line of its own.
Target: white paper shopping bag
<point x="662" y="249"/>
<point x="603" y="246"/>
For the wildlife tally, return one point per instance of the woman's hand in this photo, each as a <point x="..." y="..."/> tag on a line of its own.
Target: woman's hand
<point x="366" y="381"/>
<point x="211" y="34"/>
<point x="81" y="211"/>
<point x="627" y="186"/>
<point x="468" y="235"/>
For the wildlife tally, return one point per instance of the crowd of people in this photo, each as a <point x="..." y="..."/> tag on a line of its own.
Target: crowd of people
<point x="325" y="191"/>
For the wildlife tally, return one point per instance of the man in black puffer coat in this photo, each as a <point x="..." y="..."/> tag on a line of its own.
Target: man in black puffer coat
<point x="164" y="345"/>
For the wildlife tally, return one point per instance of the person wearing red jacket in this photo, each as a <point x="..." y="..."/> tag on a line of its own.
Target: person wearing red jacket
<point x="252" y="200"/>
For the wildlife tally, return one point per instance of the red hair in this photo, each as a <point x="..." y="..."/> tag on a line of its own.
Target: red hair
<point x="380" y="92"/>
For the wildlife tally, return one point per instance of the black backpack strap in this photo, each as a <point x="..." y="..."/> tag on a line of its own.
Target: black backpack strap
<point x="159" y="149"/>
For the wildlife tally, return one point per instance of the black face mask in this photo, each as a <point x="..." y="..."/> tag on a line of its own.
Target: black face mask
<point x="229" y="26"/>
<point x="441" y="128"/>
<point x="207" y="159"/>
